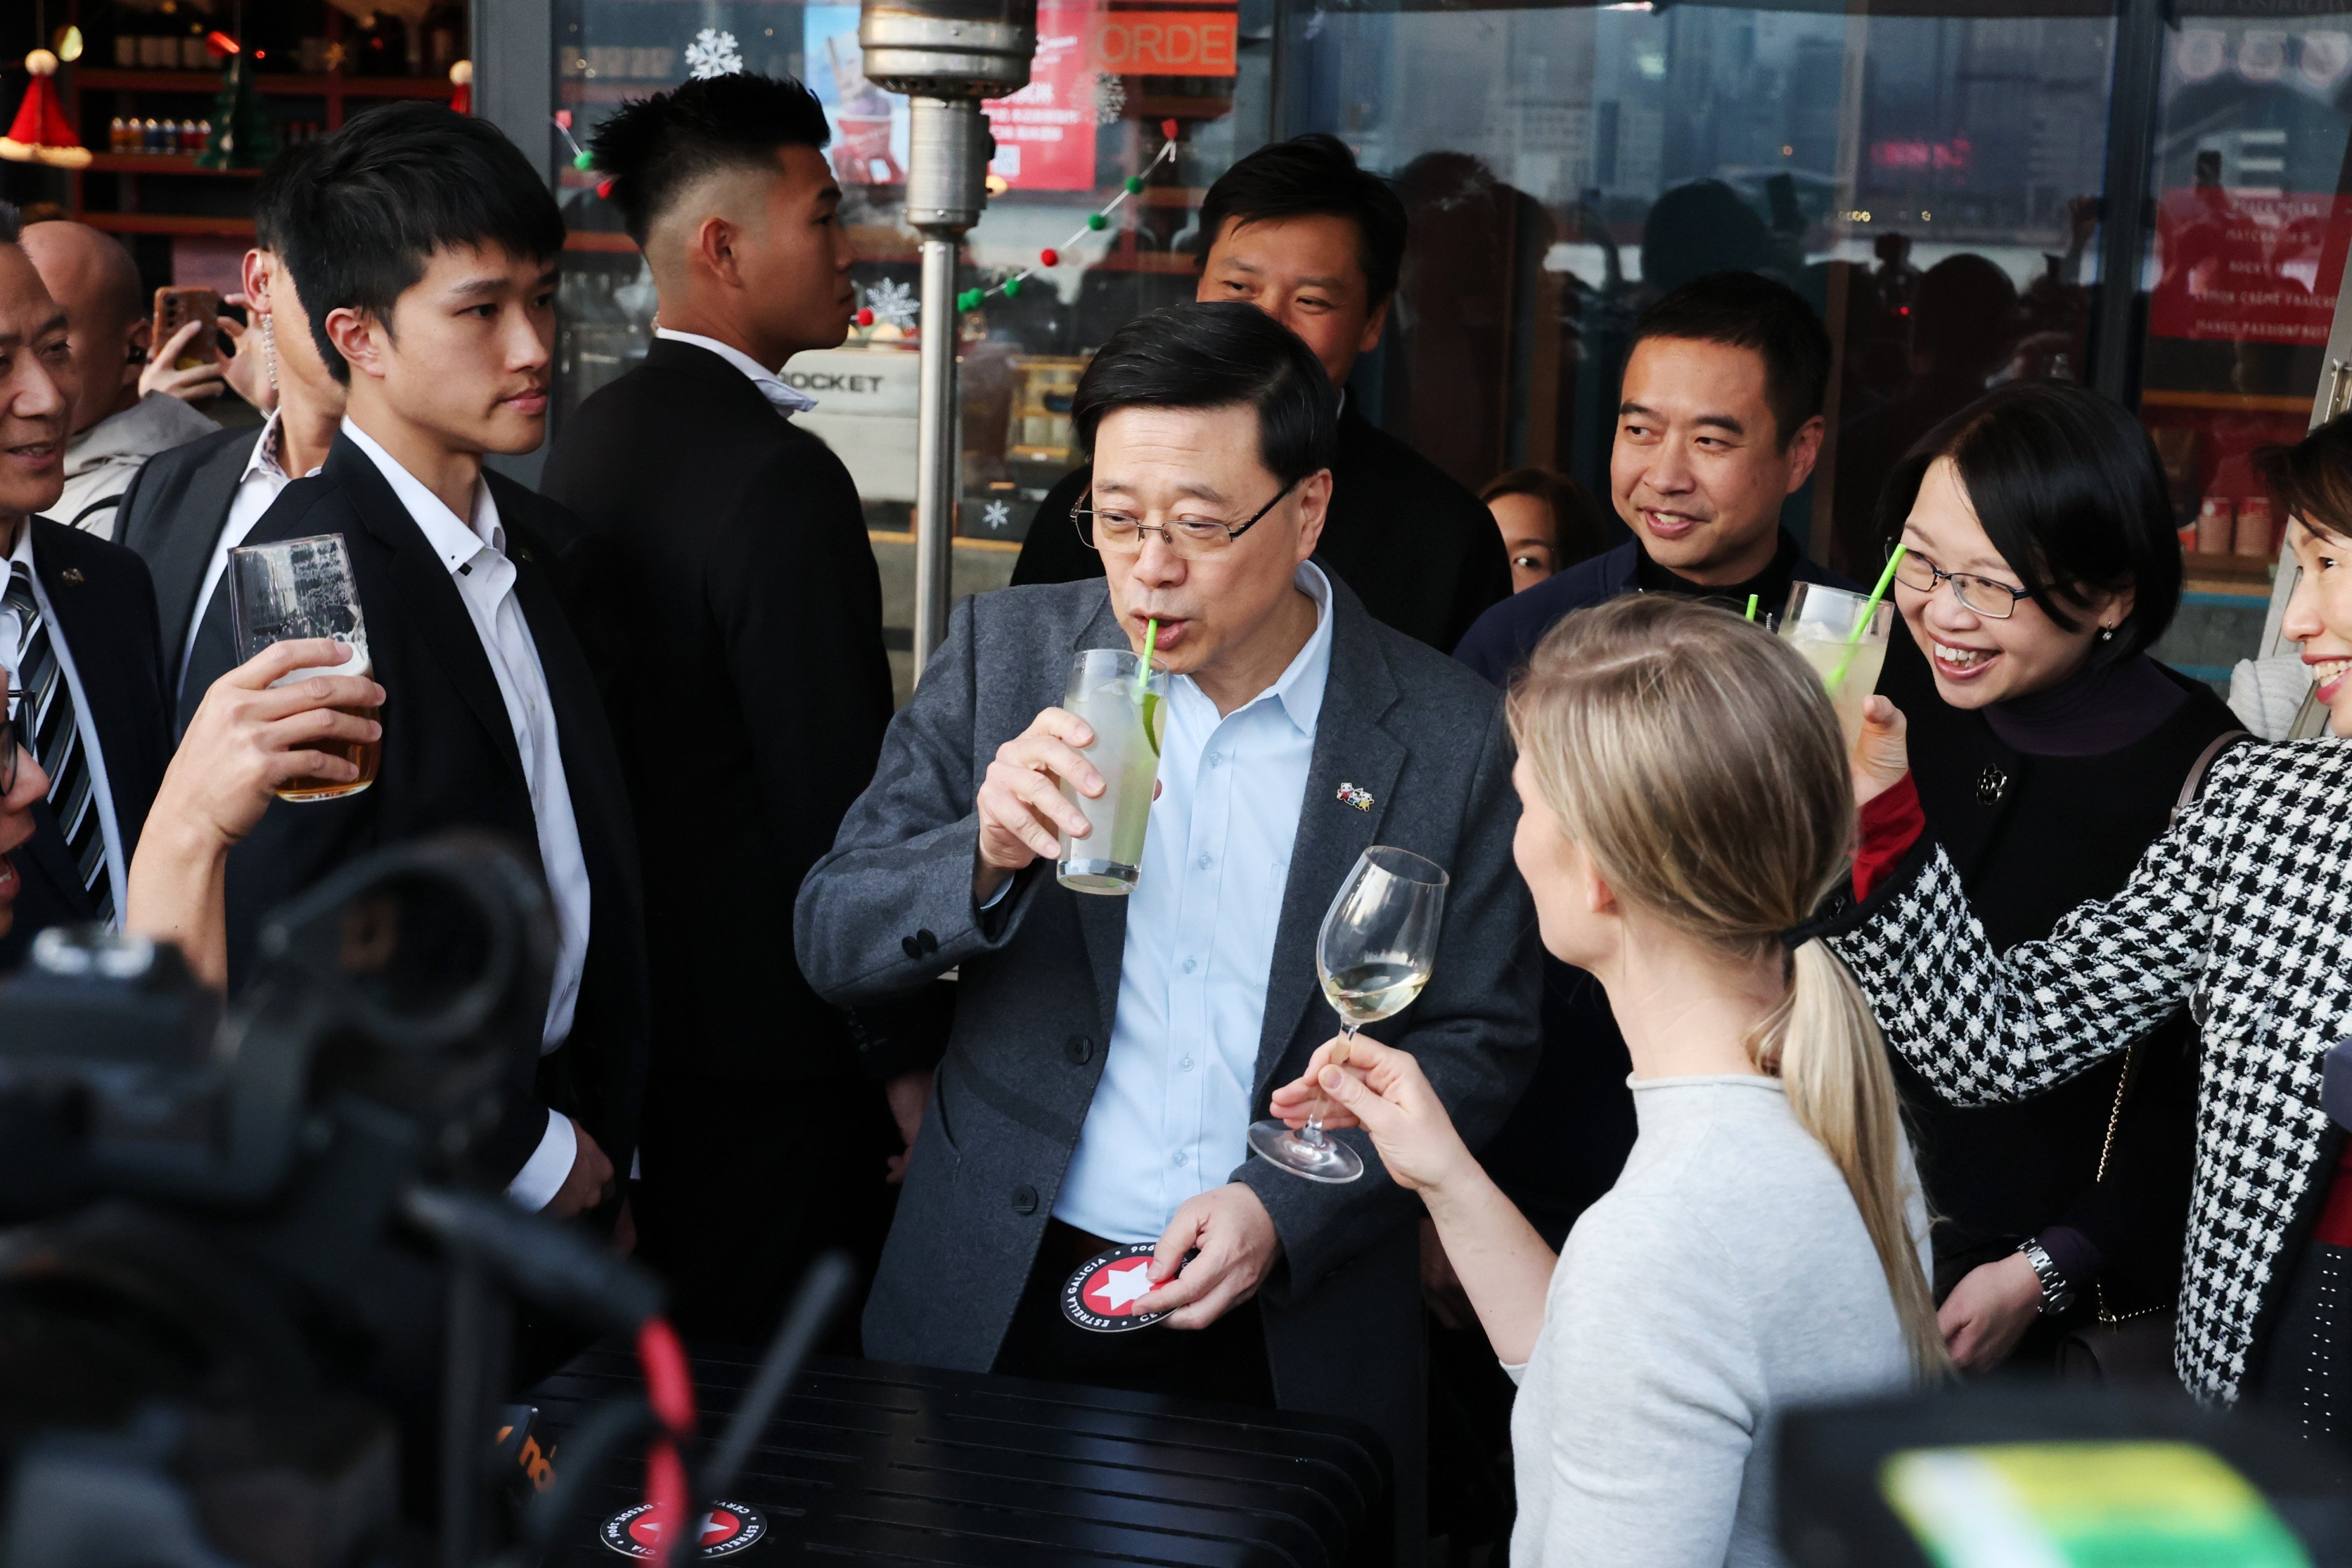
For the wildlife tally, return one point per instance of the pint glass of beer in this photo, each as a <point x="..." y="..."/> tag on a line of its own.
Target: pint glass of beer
<point x="303" y="588"/>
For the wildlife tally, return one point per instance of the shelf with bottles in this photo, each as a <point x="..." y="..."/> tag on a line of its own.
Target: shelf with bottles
<point x="207" y="83"/>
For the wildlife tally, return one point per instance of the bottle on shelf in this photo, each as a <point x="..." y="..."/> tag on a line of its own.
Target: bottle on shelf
<point x="116" y="135"/>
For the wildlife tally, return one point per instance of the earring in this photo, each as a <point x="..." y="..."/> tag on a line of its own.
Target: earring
<point x="269" y="349"/>
<point x="2107" y="634"/>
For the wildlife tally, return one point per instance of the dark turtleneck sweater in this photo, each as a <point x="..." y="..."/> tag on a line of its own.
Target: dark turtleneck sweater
<point x="1770" y="586"/>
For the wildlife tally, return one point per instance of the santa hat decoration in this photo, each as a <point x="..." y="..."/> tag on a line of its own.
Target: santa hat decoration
<point x="41" y="134"/>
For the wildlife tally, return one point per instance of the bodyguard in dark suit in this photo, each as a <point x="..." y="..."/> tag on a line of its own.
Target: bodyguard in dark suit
<point x="1110" y="1053"/>
<point x="736" y="616"/>
<point x="1299" y="231"/>
<point x="186" y="509"/>
<point x="76" y="639"/>
<point x="415" y="217"/>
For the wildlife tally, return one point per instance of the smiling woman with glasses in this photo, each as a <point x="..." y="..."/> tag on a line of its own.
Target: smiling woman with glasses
<point x="2039" y="563"/>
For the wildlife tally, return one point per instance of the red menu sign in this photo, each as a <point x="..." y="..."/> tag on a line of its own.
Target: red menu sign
<point x="1046" y="133"/>
<point x="2247" y="266"/>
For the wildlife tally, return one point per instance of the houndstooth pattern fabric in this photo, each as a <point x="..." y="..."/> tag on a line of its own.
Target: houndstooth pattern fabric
<point x="2248" y="900"/>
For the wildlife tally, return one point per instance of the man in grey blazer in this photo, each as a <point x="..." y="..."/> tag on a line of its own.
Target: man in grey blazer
<point x="1110" y="1053"/>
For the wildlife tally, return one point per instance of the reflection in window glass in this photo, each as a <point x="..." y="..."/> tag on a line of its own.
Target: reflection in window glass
<point x="2249" y="245"/>
<point x="1926" y="181"/>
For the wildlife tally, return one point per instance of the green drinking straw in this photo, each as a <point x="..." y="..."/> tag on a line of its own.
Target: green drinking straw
<point x="1143" y="670"/>
<point x="1751" y="607"/>
<point x="1862" y="624"/>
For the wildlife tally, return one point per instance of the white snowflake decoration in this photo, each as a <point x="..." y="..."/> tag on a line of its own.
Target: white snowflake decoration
<point x="1110" y="98"/>
<point x="712" y="53"/>
<point x="894" y="304"/>
<point x="995" y="515"/>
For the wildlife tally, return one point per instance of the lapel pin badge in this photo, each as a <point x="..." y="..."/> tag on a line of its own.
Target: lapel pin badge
<point x="72" y="576"/>
<point x="1361" y="799"/>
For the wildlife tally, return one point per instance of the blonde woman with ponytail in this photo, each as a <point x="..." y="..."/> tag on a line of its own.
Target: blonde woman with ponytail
<point x="1686" y="800"/>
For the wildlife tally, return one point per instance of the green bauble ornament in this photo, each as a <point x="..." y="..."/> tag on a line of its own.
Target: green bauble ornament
<point x="1098" y="222"/>
<point x="1135" y="184"/>
<point x="1011" y="287"/>
<point x="583" y="160"/>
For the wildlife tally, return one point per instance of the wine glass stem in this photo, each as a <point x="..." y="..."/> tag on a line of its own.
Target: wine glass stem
<point x="1312" y="1133"/>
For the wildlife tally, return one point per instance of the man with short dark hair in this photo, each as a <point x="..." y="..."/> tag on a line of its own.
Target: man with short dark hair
<point x="187" y="508"/>
<point x="425" y="246"/>
<point x="731" y="539"/>
<point x="1718" y="422"/>
<point x="1301" y="232"/>
<point x="1110" y="1053"/>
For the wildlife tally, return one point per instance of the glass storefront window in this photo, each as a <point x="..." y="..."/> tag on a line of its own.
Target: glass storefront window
<point x="1932" y="182"/>
<point x="2251" y="231"/>
<point x="1926" y="181"/>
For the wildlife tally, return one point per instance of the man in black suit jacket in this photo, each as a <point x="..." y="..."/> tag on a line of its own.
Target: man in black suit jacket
<point x="77" y="635"/>
<point x="187" y="508"/>
<point x="415" y="217"/>
<point x="1299" y="231"/>
<point x="737" y="618"/>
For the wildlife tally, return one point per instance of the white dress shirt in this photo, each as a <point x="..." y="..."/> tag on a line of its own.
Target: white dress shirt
<point x="788" y="400"/>
<point x="475" y="554"/>
<point x="12" y="659"/>
<point x="264" y="477"/>
<point x="1170" y="1115"/>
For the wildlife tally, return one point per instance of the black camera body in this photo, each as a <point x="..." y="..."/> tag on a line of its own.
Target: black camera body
<point x="241" y="1236"/>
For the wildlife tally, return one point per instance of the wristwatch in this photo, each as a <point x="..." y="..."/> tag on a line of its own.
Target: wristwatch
<point x="2056" y="1294"/>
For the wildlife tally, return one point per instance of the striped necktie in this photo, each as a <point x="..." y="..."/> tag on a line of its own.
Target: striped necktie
<point x="45" y="721"/>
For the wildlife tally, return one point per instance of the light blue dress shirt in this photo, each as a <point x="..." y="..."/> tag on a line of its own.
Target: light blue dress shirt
<point x="1171" y="1116"/>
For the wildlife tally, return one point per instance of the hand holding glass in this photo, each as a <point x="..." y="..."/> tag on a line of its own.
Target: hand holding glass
<point x="1126" y="715"/>
<point x="1820" y="626"/>
<point x="296" y="589"/>
<point x="1374" y="953"/>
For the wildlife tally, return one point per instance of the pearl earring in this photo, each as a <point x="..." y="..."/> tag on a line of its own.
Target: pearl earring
<point x="269" y="349"/>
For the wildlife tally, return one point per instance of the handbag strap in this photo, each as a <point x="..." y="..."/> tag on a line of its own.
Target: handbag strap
<point x="2194" y="785"/>
<point x="2191" y="787"/>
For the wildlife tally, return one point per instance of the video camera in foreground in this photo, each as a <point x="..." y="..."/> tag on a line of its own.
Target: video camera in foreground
<point x="256" y="1306"/>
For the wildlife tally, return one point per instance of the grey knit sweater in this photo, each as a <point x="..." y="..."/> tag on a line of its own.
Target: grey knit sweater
<point x="1726" y="1277"/>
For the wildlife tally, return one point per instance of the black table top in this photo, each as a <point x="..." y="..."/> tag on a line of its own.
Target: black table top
<point x="874" y="1462"/>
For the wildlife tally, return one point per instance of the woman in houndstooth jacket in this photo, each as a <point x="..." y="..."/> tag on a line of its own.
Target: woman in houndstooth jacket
<point x="2244" y="910"/>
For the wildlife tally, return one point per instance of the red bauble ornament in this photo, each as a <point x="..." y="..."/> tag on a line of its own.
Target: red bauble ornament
<point x="603" y="190"/>
<point x="864" y="318"/>
<point x="1169" y="128"/>
<point x="1049" y="257"/>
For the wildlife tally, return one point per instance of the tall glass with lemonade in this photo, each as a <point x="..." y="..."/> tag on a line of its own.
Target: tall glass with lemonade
<point x="1127" y="708"/>
<point x="1821" y="625"/>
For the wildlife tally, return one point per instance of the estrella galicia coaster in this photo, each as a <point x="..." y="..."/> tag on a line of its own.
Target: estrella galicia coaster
<point x="1102" y="1293"/>
<point x="727" y="1528"/>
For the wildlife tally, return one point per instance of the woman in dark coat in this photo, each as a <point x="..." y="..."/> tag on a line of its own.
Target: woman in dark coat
<point x="2049" y="749"/>
<point x="2245" y="906"/>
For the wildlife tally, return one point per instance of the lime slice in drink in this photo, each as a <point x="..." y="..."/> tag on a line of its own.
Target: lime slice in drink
<point x="1154" y="720"/>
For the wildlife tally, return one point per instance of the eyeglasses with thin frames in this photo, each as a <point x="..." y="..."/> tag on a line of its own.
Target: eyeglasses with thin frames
<point x="1994" y="601"/>
<point x="1118" y="532"/>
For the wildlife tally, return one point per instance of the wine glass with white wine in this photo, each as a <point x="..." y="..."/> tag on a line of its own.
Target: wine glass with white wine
<point x="1374" y="953"/>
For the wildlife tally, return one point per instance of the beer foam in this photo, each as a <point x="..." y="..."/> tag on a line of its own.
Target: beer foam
<point x="358" y="664"/>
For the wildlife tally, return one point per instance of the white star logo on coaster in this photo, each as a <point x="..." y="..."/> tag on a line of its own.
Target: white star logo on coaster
<point x="1121" y="1287"/>
<point x="1101" y="1294"/>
